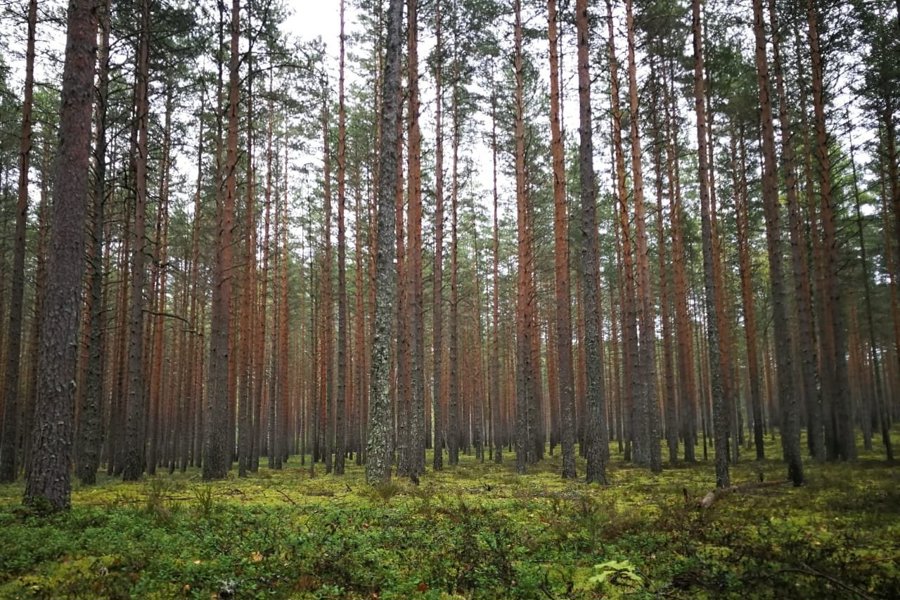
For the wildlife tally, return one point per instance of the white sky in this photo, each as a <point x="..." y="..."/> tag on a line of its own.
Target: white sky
<point x="316" y="18"/>
<point x="309" y="19"/>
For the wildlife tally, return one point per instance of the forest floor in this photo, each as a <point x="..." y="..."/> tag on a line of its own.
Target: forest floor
<point x="472" y="531"/>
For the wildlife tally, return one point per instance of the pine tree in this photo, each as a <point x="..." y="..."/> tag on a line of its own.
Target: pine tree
<point x="216" y="450"/>
<point x="720" y="423"/>
<point x="48" y="483"/>
<point x="378" y="465"/>
<point x="9" y="467"/>
<point x="597" y="432"/>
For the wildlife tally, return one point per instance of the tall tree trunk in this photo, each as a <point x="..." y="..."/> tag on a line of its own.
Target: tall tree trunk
<point x="247" y="325"/>
<point x="116" y="438"/>
<point x="790" y="433"/>
<point x="892" y="250"/>
<point x="378" y="465"/>
<point x="726" y="369"/>
<point x="157" y="375"/>
<point x="742" y="218"/>
<point x="273" y="442"/>
<point x="9" y="467"/>
<point x="438" y="270"/>
<point x="523" y="330"/>
<point x="597" y="433"/>
<point x="817" y="262"/>
<point x="631" y="383"/>
<point x="414" y="249"/>
<point x="262" y="302"/>
<point x="667" y="394"/>
<point x="216" y="447"/>
<point x="48" y="484"/>
<point x="40" y="285"/>
<point x="136" y="407"/>
<point x="565" y="378"/>
<point x="890" y="264"/>
<point x="193" y="400"/>
<point x="616" y="357"/>
<point x="881" y="411"/>
<point x="402" y="376"/>
<point x="281" y="354"/>
<point x="262" y="395"/>
<point x="833" y="323"/>
<point x="552" y="382"/>
<point x="361" y="339"/>
<point x="496" y="400"/>
<point x="453" y="404"/>
<point x="720" y="415"/>
<point x="477" y="394"/>
<point x="89" y="434"/>
<point x="687" y="389"/>
<point x="799" y="262"/>
<point x="535" y="406"/>
<point x="326" y="312"/>
<point x="342" y="344"/>
<point x="647" y="423"/>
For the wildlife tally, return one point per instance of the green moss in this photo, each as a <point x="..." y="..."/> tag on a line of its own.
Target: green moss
<point x="475" y="531"/>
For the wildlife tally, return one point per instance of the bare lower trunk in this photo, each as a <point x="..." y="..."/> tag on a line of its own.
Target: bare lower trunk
<point x="783" y="353"/>
<point x="217" y="449"/>
<point x="565" y="379"/>
<point x="833" y="324"/>
<point x="89" y="438"/>
<point x="378" y="465"/>
<point x="597" y="433"/>
<point x="720" y="415"/>
<point x="647" y="410"/>
<point x="136" y="407"/>
<point x="749" y="310"/>
<point x="438" y="287"/>
<point x="9" y="467"/>
<point x="523" y="329"/>
<point x="48" y="483"/>
<point x="343" y="374"/>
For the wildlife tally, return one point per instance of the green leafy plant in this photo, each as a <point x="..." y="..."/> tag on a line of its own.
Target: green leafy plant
<point x="615" y="578"/>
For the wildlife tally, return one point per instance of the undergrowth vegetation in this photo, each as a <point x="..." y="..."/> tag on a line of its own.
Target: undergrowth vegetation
<point x="473" y="531"/>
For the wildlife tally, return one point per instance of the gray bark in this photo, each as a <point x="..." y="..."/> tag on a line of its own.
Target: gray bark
<point x="597" y="430"/>
<point x="378" y="447"/>
<point x="720" y="411"/>
<point x="90" y="423"/>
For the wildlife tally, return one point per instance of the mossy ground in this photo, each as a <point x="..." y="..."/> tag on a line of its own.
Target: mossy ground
<point x="473" y="531"/>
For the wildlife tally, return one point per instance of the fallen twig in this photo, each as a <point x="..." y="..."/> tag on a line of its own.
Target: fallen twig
<point x="285" y="496"/>
<point x="713" y="495"/>
<point x="805" y="569"/>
